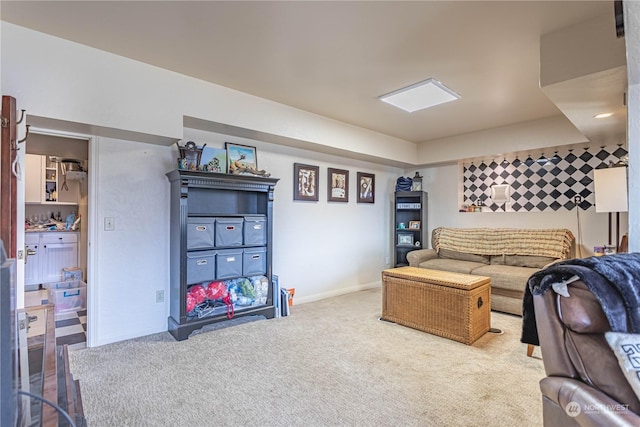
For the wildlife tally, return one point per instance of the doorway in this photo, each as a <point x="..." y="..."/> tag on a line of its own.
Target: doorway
<point x="56" y="230"/>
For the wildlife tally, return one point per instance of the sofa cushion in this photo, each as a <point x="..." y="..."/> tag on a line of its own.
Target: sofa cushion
<point x="532" y="261"/>
<point x="506" y="276"/>
<point x="463" y="256"/>
<point x="453" y="265"/>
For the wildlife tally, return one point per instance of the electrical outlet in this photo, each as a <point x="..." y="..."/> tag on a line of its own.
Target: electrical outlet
<point x="109" y="223"/>
<point x="20" y="254"/>
<point x="160" y="296"/>
<point x="386" y="260"/>
<point x="577" y="199"/>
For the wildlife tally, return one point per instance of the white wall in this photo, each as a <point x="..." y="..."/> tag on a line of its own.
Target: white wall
<point x="548" y="132"/>
<point x="329" y="249"/>
<point x="632" y="36"/>
<point x="322" y="248"/>
<point x="441" y="183"/>
<point x="131" y="262"/>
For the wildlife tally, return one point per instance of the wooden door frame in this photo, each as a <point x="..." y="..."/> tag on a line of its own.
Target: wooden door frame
<point x="8" y="186"/>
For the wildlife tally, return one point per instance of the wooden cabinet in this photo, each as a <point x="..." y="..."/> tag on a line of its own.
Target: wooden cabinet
<point x="47" y="254"/>
<point x="44" y="183"/>
<point x="410" y="219"/>
<point x="239" y="208"/>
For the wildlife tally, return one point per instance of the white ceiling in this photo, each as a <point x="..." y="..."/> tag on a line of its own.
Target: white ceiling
<point x="335" y="58"/>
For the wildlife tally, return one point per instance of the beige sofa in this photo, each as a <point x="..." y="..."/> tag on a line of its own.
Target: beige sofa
<point x="506" y="255"/>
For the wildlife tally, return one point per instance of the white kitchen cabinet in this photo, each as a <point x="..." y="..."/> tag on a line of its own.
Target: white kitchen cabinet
<point x="54" y="251"/>
<point x="45" y="183"/>
<point x="32" y="261"/>
<point x="33" y="182"/>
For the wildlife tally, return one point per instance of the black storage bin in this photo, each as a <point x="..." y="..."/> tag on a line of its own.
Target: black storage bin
<point x="201" y="266"/>
<point x="228" y="263"/>
<point x="255" y="230"/>
<point x="229" y="231"/>
<point x="254" y="261"/>
<point x="200" y="233"/>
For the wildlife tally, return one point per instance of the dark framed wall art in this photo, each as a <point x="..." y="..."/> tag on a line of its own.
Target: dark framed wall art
<point x="305" y="182"/>
<point x="337" y="185"/>
<point x="366" y="187"/>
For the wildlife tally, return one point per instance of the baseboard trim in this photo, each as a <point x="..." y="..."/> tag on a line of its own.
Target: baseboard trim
<point x="336" y="293"/>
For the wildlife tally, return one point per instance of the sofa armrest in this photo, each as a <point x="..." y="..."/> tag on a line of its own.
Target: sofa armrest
<point x="596" y="408"/>
<point x="421" y="255"/>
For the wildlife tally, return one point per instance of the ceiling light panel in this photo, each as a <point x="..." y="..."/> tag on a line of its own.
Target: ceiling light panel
<point x="419" y="96"/>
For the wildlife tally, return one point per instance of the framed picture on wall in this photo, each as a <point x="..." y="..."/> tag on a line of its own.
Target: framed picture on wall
<point x="337" y="185"/>
<point x="366" y="187"/>
<point x="305" y="182"/>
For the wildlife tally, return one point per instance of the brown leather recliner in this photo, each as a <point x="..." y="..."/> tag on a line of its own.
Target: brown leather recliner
<point x="585" y="385"/>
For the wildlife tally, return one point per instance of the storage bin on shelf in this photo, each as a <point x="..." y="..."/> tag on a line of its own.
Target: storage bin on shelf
<point x="228" y="231"/>
<point x="254" y="261"/>
<point x="255" y="230"/>
<point x="67" y="296"/>
<point x="229" y="263"/>
<point x="200" y="233"/>
<point x="201" y="266"/>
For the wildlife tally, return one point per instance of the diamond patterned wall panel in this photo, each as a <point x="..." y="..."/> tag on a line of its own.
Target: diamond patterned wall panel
<point x="539" y="184"/>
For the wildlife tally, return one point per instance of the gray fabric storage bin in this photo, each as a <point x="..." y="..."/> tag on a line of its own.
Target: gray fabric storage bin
<point x="200" y="233"/>
<point x="255" y="230"/>
<point x="201" y="266"/>
<point x="228" y="263"/>
<point x="229" y="231"/>
<point x="254" y="261"/>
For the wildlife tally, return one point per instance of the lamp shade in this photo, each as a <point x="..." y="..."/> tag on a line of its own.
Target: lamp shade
<point x="610" y="187"/>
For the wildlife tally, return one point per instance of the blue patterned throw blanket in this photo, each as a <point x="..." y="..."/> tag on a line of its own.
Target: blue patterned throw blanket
<point x="613" y="279"/>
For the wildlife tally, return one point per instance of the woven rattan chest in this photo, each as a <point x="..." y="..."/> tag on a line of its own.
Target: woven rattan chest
<point x="451" y="305"/>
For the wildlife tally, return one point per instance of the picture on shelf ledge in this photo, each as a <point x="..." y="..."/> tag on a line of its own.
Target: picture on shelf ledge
<point x="305" y="182"/>
<point x="405" y="239"/>
<point x="414" y="225"/>
<point x="213" y="160"/>
<point x="337" y="185"/>
<point x="366" y="187"/>
<point x="241" y="158"/>
<point x="190" y="156"/>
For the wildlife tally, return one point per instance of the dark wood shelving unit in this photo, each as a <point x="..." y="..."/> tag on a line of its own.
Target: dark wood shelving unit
<point x="196" y="195"/>
<point x="409" y="207"/>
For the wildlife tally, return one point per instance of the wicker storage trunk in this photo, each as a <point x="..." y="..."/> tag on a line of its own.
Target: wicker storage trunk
<point x="451" y="305"/>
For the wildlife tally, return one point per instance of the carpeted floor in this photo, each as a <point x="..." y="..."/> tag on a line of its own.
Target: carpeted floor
<point x="331" y="363"/>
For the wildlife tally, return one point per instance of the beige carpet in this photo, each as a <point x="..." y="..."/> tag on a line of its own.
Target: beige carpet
<point x="331" y="363"/>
